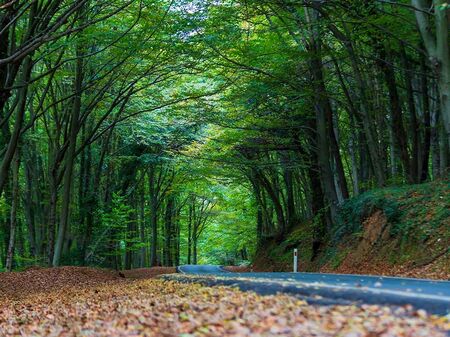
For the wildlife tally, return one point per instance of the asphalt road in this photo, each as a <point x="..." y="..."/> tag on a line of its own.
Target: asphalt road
<point x="433" y="296"/>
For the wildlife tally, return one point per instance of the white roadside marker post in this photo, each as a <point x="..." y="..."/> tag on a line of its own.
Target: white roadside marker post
<point x="295" y="260"/>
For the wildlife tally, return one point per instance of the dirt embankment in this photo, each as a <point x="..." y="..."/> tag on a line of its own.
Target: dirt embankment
<point x="373" y="252"/>
<point x="396" y="231"/>
<point x="369" y="255"/>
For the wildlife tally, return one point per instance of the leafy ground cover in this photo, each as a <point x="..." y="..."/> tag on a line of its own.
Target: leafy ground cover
<point x="87" y="302"/>
<point x="143" y="273"/>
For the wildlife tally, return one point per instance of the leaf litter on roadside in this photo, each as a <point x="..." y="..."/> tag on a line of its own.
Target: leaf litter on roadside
<point x="110" y="306"/>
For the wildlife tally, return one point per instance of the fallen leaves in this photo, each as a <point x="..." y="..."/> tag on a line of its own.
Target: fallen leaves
<point x="142" y="273"/>
<point x="438" y="269"/>
<point x="35" y="280"/>
<point x="153" y="307"/>
<point x="239" y="269"/>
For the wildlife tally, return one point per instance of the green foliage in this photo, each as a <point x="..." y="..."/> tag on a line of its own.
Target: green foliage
<point x="336" y="257"/>
<point x="182" y="101"/>
<point x="425" y="210"/>
<point x="4" y="206"/>
<point x="111" y="238"/>
<point x="355" y="210"/>
<point x="412" y="210"/>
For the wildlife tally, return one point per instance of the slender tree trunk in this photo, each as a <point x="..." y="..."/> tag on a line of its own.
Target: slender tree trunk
<point x="272" y="192"/>
<point x="194" y="243"/>
<point x="154" y="243"/>
<point x="29" y="206"/>
<point x="353" y="160"/>
<point x="443" y="55"/>
<point x="40" y="213"/>
<point x="291" y="213"/>
<point x="444" y="147"/>
<point x="323" y="112"/>
<point x="70" y="160"/>
<point x="189" y="257"/>
<point x="318" y="209"/>
<point x="130" y="236"/>
<point x="413" y="123"/>
<point x="427" y="124"/>
<point x="143" y="259"/>
<point x="8" y="74"/>
<point x="322" y="134"/>
<point x="336" y="154"/>
<point x="168" y="231"/>
<point x="53" y="189"/>
<point x="92" y="194"/>
<point x="177" y="262"/>
<point x="153" y="219"/>
<point x="14" y="206"/>
<point x="353" y="115"/>
<point x="5" y="93"/>
<point x="396" y="114"/>
<point x="438" y="51"/>
<point x="18" y="123"/>
<point x="259" y="213"/>
<point x="362" y="117"/>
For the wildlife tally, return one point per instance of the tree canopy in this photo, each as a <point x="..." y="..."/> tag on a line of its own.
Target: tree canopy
<point x="141" y="133"/>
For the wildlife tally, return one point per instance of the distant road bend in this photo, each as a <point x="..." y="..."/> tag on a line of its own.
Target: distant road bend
<point x="430" y="295"/>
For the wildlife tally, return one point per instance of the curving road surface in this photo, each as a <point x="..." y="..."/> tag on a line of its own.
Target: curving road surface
<point x="433" y="296"/>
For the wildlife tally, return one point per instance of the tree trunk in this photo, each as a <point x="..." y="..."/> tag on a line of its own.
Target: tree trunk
<point x="53" y="187"/>
<point x="443" y="55"/>
<point x="437" y="47"/>
<point x="18" y="123"/>
<point x="153" y="219"/>
<point x="291" y="213"/>
<point x="189" y="255"/>
<point x="259" y="212"/>
<point x="29" y="204"/>
<point x="336" y="154"/>
<point x="143" y="260"/>
<point x="70" y="160"/>
<point x="396" y="114"/>
<point x="130" y="237"/>
<point x="273" y="194"/>
<point x="444" y="147"/>
<point x="194" y="250"/>
<point x="362" y="117"/>
<point x="14" y="206"/>
<point x="413" y="123"/>
<point x="425" y="153"/>
<point x="177" y="262"/>
<point x="322" y="134"/>
<point x="168" y="231"/>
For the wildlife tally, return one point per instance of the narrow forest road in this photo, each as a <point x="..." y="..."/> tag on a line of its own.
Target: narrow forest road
<point x="430" y="295"/>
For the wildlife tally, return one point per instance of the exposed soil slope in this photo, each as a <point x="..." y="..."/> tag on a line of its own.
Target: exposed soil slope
<point x="399" y="231"/>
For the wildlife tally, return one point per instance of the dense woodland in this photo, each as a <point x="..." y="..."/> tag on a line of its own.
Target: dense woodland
<point x="139" y="133"/>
